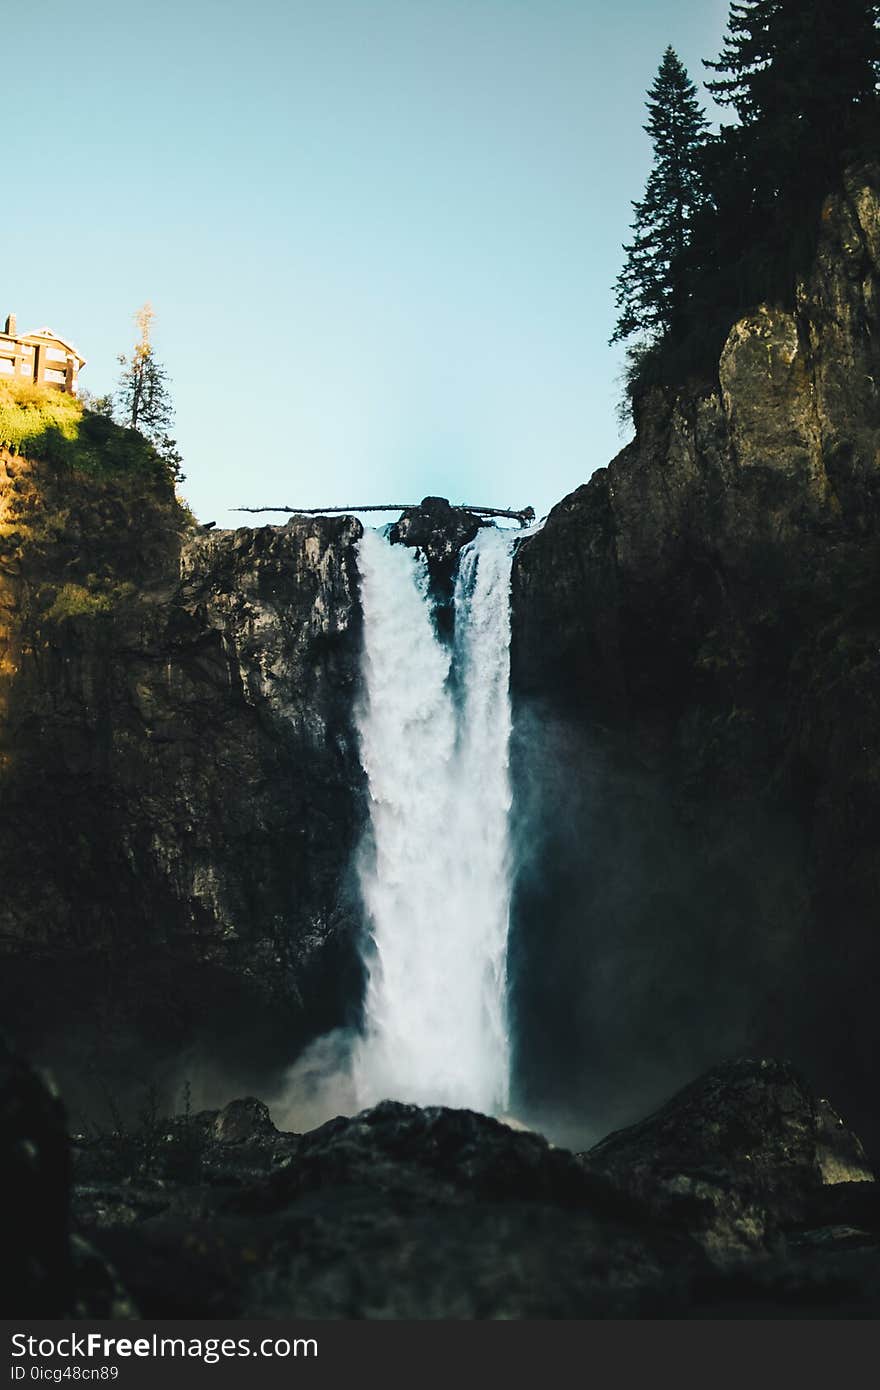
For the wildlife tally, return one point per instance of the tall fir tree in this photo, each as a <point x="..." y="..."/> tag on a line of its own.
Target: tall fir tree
<point x="802" y="77"/>
<point x="651" y="291"/>
<point x="142" y="395"/>
<point x="143" y="399"/>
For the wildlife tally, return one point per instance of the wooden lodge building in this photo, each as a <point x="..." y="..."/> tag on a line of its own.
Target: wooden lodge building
<point x="42" y="357"/>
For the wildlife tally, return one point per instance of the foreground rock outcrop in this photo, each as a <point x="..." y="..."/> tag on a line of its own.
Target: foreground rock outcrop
<point x="718" y="1206"/>
<point x="736" y="1157"/>
<point x="34" y="1193"/>
<point x="46" y="1271"/>
<point x="696" y="641"/>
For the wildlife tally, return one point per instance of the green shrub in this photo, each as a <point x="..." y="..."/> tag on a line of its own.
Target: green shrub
<point x="73" y="601"/>
<point x="40" y="422"/>
<point x="29" y="412"/>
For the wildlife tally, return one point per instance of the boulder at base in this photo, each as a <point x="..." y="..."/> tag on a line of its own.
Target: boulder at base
<point x="734" y="1157"/>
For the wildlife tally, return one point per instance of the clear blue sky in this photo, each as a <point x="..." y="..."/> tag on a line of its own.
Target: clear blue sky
<point x="379" y="235"/>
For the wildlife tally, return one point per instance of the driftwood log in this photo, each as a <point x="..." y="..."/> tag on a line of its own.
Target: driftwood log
<point x="523" y="516"/>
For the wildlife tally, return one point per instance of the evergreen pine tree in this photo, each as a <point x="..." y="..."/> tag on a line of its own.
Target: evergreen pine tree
<point x="142" y="395"/>
<point x="143" y="399"/>
<point x="802" y="77"/>
<point x="651" y="291"/>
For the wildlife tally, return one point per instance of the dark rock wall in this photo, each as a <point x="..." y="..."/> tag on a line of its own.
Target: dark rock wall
<point x="696" y="654"/>
<point x="181" y="791"/>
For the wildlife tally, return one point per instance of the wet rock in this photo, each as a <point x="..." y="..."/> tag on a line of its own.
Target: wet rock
<point x="34" y="1191"/>
<point x="440" y="532"/>
<point x="45" y="1270"/>
<point x="736" y="1157"/>
<point x="715" y="1207"/>
<point x="433" y="1153"/>
<point x="839" y="1153"/>
<point x="438" y="529"/>
<point x="243" y="1120"/>
<point x="402" y="1212"/>
<point x="98" y="1292"/>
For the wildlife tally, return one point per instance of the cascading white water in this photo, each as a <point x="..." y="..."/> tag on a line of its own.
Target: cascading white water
<point x="435" y="730"/>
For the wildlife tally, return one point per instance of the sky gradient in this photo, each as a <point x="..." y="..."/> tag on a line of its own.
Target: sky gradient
<point x="380" y="236"/>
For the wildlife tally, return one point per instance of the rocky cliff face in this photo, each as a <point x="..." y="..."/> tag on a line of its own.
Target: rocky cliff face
<point x="695" y="662"/>
<point x="181" y="791"/>
<point x="696" y="638"/>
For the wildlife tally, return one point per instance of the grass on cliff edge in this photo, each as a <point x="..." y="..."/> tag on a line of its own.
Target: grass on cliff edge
<point x="42" y="423"/>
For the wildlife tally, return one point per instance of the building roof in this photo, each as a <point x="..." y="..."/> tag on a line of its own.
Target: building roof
<point x="46" y="333"/>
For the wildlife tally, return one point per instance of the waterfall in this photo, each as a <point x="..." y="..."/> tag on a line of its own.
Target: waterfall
<point x="434" y="729"/>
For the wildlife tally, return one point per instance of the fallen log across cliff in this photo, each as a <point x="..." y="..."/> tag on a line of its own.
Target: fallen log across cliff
<point x="524" y="515"/>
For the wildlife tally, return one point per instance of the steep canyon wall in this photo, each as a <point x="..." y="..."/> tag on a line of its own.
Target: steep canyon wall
<point x="181" y="789"/>
<point x="696" y="642"/>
